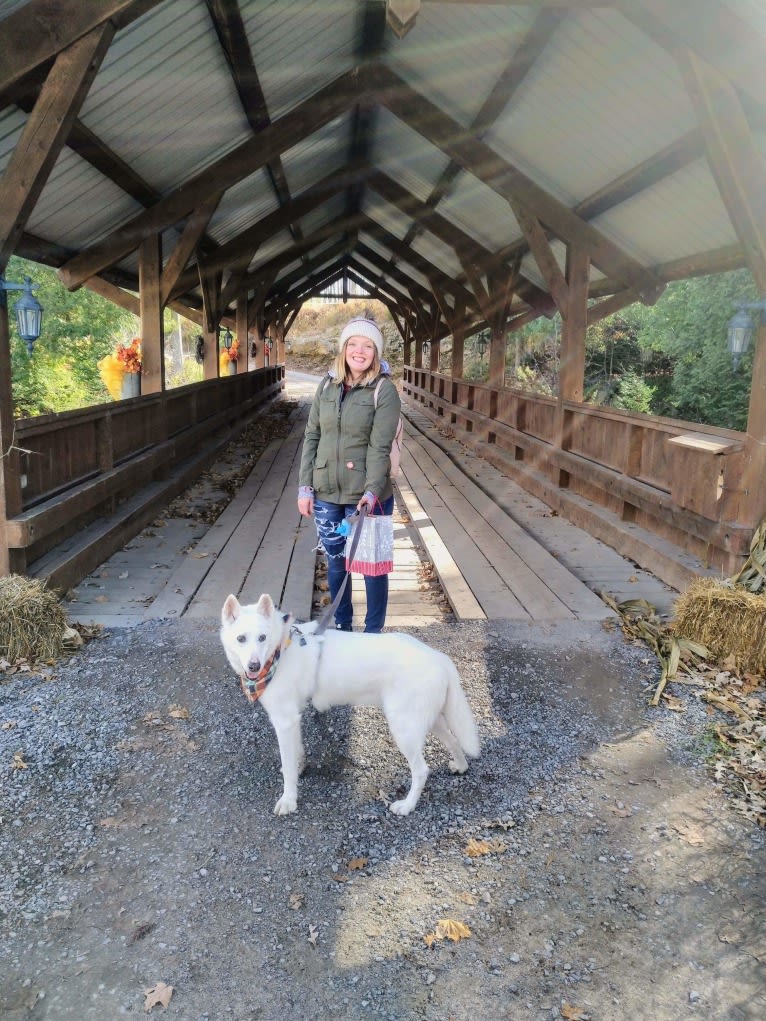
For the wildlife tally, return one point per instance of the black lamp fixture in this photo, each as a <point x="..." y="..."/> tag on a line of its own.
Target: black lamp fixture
<point x="426" y="347"/>
<point x="228" y="339"/>
<point x="481" y="344"/>
<point x="741" y="329"/>
<point x="29" y="311"/>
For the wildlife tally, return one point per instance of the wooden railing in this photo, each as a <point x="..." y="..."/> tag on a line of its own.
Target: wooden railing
<point x="92" y="478"/>
<point x="619" y="474"/>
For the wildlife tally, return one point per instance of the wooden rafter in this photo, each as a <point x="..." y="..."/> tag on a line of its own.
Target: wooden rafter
<point x="446" y="134"/>
<point x="537" y="240"/>
<point x="713" y="31"/>
<point x="249" y="241"/>
<point x="55" y="27"/>
<point x="386" y="271"/>
<point x="466" y="248"/>
<point x="45" y="133"/>
<point x="196" y="225"/>
<point x="372" y="17"/>
<point x="531" y="46"/>
<point x="401" y="296"/>
<point x="232" y="36"/>
<point x="297" y="124"/>
<point x="735" y="162"/>
<point x="408" y="255"/>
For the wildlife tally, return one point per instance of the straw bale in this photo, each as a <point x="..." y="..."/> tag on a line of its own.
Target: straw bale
<point x="32" y="620"/>
<point x="727" y="619"/>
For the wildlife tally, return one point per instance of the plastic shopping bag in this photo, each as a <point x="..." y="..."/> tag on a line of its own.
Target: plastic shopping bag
<point x="374" y="553"/>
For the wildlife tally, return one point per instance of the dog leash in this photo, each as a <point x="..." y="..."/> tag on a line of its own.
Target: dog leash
<point x="324" y="620"/>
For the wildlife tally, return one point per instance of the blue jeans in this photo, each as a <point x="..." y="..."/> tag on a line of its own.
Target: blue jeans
<point x="326" y="517"/>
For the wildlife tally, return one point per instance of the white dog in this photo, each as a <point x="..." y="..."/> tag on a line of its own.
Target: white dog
<point x="287" y="665"/>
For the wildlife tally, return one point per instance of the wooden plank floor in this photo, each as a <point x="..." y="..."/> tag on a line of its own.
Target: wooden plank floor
<point x="456" y="518"/>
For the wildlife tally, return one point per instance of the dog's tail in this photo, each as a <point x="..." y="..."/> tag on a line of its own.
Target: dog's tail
<point x="457" y="712"/>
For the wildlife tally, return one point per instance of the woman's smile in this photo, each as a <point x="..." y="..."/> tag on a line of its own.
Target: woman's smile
<point x="360" y="354"/>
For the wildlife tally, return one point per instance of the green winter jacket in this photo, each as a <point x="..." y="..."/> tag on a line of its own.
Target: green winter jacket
<point x="347" y="443"/>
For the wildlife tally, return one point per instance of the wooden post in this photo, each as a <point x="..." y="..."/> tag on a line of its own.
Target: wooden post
<point x="152" y="331"/>
<point x="12" y="561"/>
<point x="458" y="342"/>
<point x="243" y="365"/>
<point x="753" y="506"/>
<point x="497" y="356"/>
<point x="575" y="322"/>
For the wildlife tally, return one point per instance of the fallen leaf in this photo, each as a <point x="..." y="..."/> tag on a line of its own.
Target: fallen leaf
<point x="573" y="1013"/>
<point x="296" y="901"/>
<point x="475" y="848"/>
<point x="178" y="712"/>
<point x="8" y="725"/>
<point x="18" y="761"/>
<point x="123" y="575"/>
<point x="200" y="556"/>
<point x="158" y="996"/>
<point x="357" y="863"/>
<point x="448" y="928"/>
<point x="313" y="935"/>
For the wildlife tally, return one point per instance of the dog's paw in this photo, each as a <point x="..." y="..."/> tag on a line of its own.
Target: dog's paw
<point x="400" y="807"/>
<point x="285" y="805"/>
<point x="457" y="767"/>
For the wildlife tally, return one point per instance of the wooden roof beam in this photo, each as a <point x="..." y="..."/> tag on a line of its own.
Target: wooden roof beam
<point x="713" y="31"/>
<point x="507" y="180"/>
<point x="45" y="133"/>
<point x="531" y="46"/>
<point x="735" y="162"/>
<point x="465" y="247"/>
<point x="250" y="240"/>
<point x="390" y="271"/>
<point x="323" y="107"/>
<point x="402" y="297"/>
<point x="232" y="36"/>
<point x="406" y="254"/>
<point x="56" y="27"/>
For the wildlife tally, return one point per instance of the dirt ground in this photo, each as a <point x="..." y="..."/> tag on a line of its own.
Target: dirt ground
<point x="595" y="868"/>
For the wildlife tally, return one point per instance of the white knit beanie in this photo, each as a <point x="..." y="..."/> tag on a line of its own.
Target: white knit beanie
<point x="362" y="328"/>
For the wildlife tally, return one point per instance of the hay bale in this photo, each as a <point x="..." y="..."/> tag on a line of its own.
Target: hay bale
<point x="32" y="620"/>
<point x="727" y="619"/>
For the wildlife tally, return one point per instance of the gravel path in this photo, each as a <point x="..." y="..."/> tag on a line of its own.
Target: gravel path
<point x="598" y="870"/>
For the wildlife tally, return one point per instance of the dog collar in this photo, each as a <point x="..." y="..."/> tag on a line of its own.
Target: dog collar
<point x="254" y="687"/>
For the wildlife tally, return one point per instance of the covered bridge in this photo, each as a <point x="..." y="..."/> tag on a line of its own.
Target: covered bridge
<point x="473" y="165"/>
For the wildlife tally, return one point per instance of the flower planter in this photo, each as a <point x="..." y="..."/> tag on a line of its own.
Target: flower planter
<point x="131" y="385"/>
<point x="232" y="368"/>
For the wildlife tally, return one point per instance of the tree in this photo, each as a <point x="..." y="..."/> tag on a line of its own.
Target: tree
<point x="689" y="325"/>
<point x="78" y="329"/>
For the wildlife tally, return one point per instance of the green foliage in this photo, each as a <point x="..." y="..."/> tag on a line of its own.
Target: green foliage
<point x="633" y="393"/>
<point x="678" y="347"/>
<point x="527" y="378"/>
<point x="77" y="330"/>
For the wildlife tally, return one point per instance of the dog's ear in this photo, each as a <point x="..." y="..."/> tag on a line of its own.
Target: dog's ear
<point x="231" y="609"/>
<point x="286" y="618"/>
<point x="265" y="605"/>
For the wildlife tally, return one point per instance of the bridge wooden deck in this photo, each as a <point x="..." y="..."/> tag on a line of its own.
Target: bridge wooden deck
<point x="456" y="517"/>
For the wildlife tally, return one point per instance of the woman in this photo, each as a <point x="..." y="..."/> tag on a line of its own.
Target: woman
<point x="345" y="461"/>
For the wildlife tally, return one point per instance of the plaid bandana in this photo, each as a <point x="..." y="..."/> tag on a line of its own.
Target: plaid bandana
<point x="254" y="687"/>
